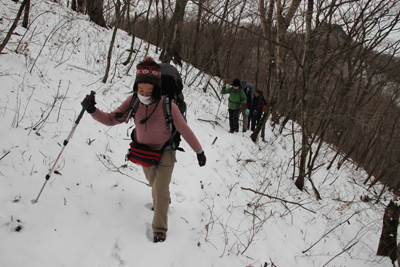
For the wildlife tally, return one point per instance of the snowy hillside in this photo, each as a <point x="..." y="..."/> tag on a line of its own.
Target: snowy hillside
<point x="241" y="209"/>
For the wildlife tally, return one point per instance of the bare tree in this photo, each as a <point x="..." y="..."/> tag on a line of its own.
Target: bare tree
<point x="132" y="28"/>
<point x="119" y="13"/>
<point x="81" y="6"/>
<point x="26" y="15"/>
<point x="266" y="23"/>
<point x="172" y="49"/>
<point x="388" y="240"/>
<point x="306" y="64"/>
<point x="14" y="25"/>
<point x="95" y="12"/>
<point x="73" y="5"/>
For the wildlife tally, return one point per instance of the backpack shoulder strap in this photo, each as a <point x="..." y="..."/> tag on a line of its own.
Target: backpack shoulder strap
<point x="169" y="119"/>
<point x="167" y="112"/>
<point x="133" y="109"/>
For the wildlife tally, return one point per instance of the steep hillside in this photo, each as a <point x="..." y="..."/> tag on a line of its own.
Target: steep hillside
<point x="241" y="209"/>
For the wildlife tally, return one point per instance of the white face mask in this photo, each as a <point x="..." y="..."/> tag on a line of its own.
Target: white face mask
<point x="146" y="100"/>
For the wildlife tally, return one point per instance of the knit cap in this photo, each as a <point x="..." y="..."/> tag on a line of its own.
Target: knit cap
<point x="148" y="71"/>
<point x="259" y="91"/>
<point x="236" y="82"/>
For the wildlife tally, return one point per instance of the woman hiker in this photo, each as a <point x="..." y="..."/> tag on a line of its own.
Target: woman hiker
<point x="152" y="130"/>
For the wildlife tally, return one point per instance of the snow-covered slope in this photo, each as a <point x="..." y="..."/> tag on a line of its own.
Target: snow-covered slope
<point x="93" y="211"/>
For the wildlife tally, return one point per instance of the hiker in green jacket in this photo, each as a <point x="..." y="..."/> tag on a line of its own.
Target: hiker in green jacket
<point x="237" y="98"/>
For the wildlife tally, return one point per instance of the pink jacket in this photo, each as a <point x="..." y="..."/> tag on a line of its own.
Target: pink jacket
<point x="155" y="132"/>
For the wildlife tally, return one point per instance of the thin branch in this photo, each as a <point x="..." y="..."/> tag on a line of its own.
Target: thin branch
<point x="116" y="169"/>
<point x="329" y="232"/>
<point x="5" y="155"/>
<point x="343" y="251"/>
<point x="280" y="199"/>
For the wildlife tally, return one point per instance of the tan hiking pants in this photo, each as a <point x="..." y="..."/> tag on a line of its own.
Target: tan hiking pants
<point x="159" y="178"/>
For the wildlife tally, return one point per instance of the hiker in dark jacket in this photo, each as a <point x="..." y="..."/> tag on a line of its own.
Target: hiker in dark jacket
<point x="257" y="108"/>
<point x="237" y="98"/>
<point x="245" y="109"/>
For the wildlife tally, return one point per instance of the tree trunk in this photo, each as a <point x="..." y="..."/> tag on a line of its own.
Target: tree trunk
<point x="387" y="243"/>
<point x="197" y="33"/>
<point x="132" y="29"/>
<point x="81" y="6"/>
<point x="305" y="147"/>
<point x="266" y="23"/>
<point x="26" y="15"/>
<point x="13" y="26"/>
<point x="118" y="14"/>
<point x="95" y="12"/>
<point x="173" y="45"/>
<point x="73" y="5"/>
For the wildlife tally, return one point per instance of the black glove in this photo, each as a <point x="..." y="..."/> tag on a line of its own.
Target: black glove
<point x="89" y="104"/>
<point x="201" y="158"/>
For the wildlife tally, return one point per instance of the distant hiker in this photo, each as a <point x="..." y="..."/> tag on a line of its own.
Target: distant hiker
<point x="151" y="135"/>
<point x="257" y="108"/>
<point x="237" y="98"/>
<point x="244" y="110"/>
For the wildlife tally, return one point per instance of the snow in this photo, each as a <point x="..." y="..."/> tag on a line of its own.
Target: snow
<point x="94" y="212"/>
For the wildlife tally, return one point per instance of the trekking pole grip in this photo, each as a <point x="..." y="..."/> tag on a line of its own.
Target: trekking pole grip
<point x="92" y="93"/>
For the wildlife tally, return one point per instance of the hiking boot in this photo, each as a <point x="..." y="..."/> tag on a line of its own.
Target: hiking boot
<point x="159" y="237"/>
<point x="231" y="131"/>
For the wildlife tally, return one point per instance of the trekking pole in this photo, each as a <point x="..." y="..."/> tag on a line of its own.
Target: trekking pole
<point x="216" y="115"/>
<point x="220" y="101"/>
<point x="92" y="93"/>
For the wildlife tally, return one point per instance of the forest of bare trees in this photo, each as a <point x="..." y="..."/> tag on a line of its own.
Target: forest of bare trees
<point x="330" y="66"/>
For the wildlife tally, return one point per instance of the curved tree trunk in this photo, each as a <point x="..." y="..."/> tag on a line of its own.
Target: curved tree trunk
<point x="388" y="243"/>
<point x="173" y="46"/>
<point x="95" y="12"/>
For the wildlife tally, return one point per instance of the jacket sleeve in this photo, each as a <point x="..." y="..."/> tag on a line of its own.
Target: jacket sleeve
<point x="109" y="119"/>
<point x="263" y="101"/>
<point x="226" y="90"/>
<point x="250" y="102"/>
<point x="184" y="129"/>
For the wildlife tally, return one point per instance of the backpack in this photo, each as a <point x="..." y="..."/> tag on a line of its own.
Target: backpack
<point x="172" y="91"/>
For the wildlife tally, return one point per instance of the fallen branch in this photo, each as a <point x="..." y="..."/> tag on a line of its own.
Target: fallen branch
<point x="207" y="120"/>
<point x="213" y="123"/>
<point x="330" y="232"/>
<point x="115" y="168"/>
<point x="280" y="199"/>
<point x="5" y="155"/>
<point x="343" y="251"/>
